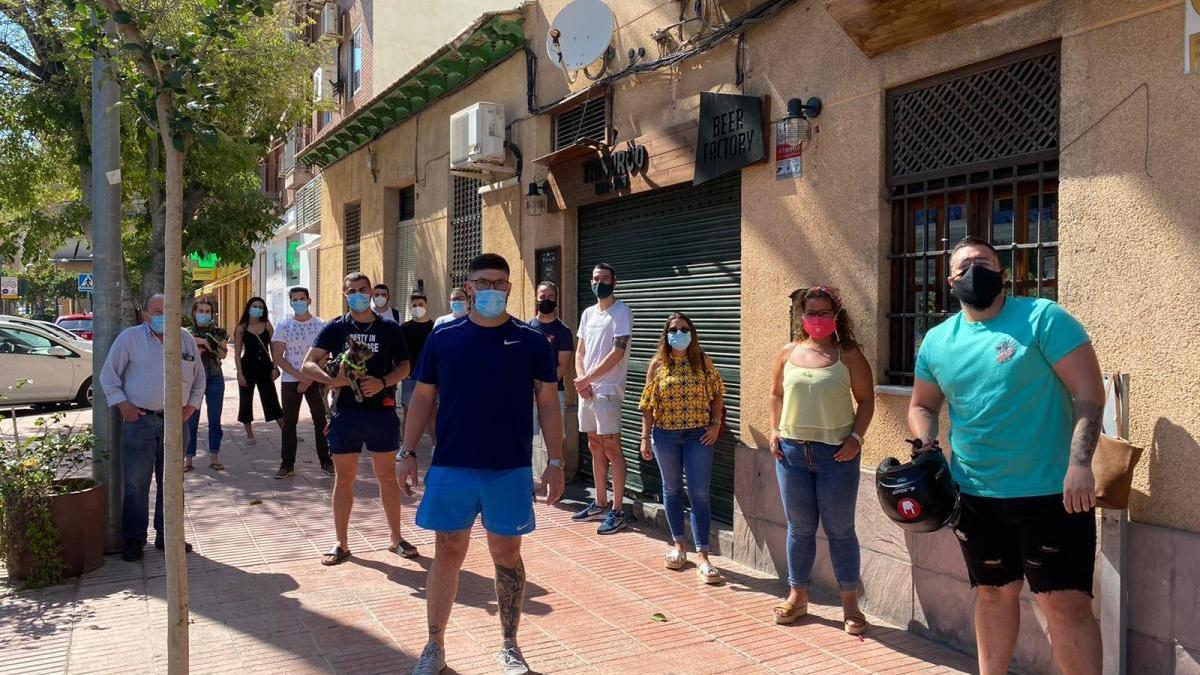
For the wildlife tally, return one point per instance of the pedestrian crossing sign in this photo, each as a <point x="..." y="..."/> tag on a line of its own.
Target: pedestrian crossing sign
<point x="87" y="283"/>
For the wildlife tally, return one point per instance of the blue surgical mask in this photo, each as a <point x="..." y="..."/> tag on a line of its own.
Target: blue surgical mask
<point x="256" y="312"/>
<point x="359" y="302"/>
<point x="458" y="307"/>
<point x="679" y="340"/>
<point x="300" y="306"/>
<point x="158" y="323"/>
<point x="203" y="318"/>
<point x="491" y="303"/>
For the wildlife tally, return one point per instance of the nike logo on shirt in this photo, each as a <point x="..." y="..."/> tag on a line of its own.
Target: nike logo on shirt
<point x="510" y="342"/>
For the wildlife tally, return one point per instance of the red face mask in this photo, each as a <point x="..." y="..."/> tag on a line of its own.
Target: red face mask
<point x="820" y="327"/>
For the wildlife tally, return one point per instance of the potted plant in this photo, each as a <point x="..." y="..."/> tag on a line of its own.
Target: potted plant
<point x="52" y="517"/>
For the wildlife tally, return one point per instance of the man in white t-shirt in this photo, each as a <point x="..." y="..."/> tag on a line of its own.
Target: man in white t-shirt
<point x="601" y="362"/>
<point x="289" y="345"/>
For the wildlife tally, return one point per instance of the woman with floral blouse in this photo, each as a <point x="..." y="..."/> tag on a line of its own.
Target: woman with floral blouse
<point x="681" y="419"/>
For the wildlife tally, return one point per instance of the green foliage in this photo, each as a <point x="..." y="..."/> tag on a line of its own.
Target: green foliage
<point x="32" y="470"/>
<point x="42" y="283"/>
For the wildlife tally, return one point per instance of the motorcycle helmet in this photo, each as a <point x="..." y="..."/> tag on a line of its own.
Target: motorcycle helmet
<point x="918" y="495"/>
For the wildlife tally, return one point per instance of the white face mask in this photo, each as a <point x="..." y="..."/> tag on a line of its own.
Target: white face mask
<point x="380" y="301"/>
<point x="418" y="312"/>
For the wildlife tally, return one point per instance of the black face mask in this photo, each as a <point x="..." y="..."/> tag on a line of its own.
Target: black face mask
<point x="978" y="287"/>
<point x="601" y="289"/>
<point x="546" y="306"/>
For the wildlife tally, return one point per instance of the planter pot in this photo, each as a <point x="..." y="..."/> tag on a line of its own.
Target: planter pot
<point x="80" y="518"/>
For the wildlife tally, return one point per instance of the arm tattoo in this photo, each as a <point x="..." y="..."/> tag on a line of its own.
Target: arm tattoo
<point x="931" y="421"/>
<point x="510" y="596"/>
<point x="621" y="342"/>
<point x="1087" y="431"/>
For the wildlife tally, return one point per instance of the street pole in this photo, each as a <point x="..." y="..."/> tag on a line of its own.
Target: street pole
<point x="108" y="263"/>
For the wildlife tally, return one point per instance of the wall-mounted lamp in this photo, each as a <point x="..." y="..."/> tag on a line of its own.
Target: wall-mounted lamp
<point x="535" y="199"/>
<point x="797" y="130"/>
<point x="373" y="164"/>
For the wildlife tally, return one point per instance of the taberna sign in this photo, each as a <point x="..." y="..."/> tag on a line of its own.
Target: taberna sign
<point x="611" y="172"/>
<point x="730" y="135"/>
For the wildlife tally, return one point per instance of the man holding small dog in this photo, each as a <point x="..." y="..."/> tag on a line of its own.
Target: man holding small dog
<point x="365" y="407"/>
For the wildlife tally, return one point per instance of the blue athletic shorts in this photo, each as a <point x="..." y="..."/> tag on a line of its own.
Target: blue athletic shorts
<point x="454" y="497"/>
<point x="350" y="430"/>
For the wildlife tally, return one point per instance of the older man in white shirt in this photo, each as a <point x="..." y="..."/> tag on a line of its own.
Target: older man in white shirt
<point x="132" y="379"/>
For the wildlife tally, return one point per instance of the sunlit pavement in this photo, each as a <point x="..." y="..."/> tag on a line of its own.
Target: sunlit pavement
<point x="261" y="601"/>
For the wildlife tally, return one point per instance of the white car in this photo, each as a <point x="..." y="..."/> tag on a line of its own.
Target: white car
<point x="49" y="327"/>
<point x="57" y="370"/>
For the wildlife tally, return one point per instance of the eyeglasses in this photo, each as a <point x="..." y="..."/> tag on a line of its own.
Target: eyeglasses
<point x="486" y="284"/>
<point x="674" y="330"/>
<point x="824" y="314"/>
<point x="966" y="264"/>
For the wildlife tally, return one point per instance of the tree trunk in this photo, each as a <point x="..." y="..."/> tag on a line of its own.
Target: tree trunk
<point x="157" y="204"/>
<point x="170" y="254"/>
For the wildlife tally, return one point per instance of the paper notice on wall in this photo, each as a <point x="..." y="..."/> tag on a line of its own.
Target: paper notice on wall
<point x="113" y="176"/>
<point x="789" y="159"/>
<point x="1191" y="37"/>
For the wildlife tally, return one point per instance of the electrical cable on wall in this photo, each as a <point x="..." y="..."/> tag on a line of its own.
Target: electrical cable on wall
<point x="1093" y="125"/>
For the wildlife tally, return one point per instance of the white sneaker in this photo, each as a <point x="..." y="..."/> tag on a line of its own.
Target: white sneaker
<point x="511" y="660"/>
<point x="432" y="661"/>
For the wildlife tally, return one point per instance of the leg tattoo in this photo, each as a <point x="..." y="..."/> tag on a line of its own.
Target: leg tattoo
<point x="510" y="596"/>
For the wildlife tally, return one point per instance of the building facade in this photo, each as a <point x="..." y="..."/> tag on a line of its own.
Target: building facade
<point x="1051" y="128"/>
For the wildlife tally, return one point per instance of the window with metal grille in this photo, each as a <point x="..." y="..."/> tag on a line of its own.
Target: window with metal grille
<point x="408" y="203"/>
<point x="352" y="240"/>
<point x="589" y="120"/>
<point x="974" y="152"/>
<point x="466" y="228"/>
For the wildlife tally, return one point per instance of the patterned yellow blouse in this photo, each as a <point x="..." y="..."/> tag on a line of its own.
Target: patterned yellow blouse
<point x="679" y="397"/>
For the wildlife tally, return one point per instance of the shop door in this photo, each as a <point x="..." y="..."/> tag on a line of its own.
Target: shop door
<point x="677" y="249"/>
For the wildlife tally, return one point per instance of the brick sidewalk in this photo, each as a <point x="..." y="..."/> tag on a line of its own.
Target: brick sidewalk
<point x="260" y="600"/>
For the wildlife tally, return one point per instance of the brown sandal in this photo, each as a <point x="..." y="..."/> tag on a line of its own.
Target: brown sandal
<point x="786" y="612"/>
<point x="856" y="623"/>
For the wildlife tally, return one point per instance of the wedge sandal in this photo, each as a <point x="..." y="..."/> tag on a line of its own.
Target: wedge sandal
<point x="709" y="573"/>
<point x="856" y="623"/>
<point x="787" y="612"/>
<point x="675" y="559"/>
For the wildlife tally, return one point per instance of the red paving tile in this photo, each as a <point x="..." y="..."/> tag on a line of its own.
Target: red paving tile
<point x="261" y="602"/>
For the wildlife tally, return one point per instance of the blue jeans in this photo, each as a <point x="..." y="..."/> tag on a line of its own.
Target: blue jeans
<point x="815" y="487"/>
<point x="680" y="452"/>
<point x="141" y="457"/>
<point x="214" y="399"/>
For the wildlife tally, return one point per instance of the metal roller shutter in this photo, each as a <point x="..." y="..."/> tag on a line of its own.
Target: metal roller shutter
<point x="677" y="249"/>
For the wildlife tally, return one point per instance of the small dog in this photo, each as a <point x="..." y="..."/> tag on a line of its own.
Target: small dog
<point x="353" y="362"/>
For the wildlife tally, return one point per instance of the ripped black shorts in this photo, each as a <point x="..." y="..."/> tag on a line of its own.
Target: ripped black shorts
<point x="1034" y="537"/>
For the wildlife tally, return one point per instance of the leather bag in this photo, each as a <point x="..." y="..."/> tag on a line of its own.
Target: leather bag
<point x="1115" y="458"/>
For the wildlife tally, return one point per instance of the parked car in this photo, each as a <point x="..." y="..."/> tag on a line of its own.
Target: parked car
<point x="79" y="324"/>
<point x="57" y="370"/>
<point x="50" y="327"/>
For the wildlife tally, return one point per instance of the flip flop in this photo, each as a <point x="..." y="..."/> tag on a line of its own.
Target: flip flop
<point x="217" y="466"/>
<point x="786" y="612"/>
<point x="188" y="467"/>
<point x="856" y="623"/>
<point x="405" y="550"/>
<point x="336" y="556"/>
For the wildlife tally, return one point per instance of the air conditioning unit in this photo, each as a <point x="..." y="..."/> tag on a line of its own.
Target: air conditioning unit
<point x="477" y="137"/>
<point x="322" y="87"/>
<point x="330" y="14"/>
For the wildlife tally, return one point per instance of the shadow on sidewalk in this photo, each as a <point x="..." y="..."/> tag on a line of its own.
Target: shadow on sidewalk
<point x="474" y="590"/>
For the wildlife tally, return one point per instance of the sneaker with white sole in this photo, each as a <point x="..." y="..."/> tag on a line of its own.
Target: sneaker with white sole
<point x="512" y="662"/>
<point x="613" y="523"/>
<point x="432" y="661"/>
<point x="589" y="512"/>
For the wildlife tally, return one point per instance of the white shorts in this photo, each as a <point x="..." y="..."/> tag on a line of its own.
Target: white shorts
<point x="600" y="414"/>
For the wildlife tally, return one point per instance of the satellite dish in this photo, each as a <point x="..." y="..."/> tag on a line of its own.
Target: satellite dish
<point x="580" y="34"/>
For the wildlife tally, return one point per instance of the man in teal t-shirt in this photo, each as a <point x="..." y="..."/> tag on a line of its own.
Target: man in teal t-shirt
<point x="1025" y="395"/>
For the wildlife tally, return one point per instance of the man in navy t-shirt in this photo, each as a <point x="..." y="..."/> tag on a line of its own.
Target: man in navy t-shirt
<point x="562" y="342"/>
<point x="371" y="422"/>
<point x="487" y="370"/>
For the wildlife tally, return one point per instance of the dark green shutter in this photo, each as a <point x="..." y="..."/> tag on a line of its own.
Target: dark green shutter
<point x="677" y="249"/>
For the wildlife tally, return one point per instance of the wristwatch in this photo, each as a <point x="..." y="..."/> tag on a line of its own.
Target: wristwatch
<point x="405" y="454"/>
<point x="556" y="463"/>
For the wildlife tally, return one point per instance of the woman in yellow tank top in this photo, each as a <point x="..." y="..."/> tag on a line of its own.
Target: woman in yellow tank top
<point x="822" y="401"/>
